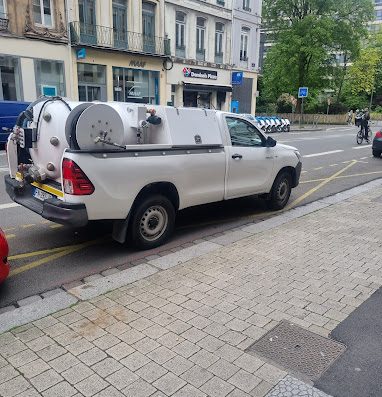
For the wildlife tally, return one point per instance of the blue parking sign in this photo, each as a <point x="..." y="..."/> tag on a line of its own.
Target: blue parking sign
<point x="303" y="92"/>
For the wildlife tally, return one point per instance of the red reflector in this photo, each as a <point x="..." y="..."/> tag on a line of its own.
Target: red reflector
<point x="378" y="134"/>
<point x="74" y="179"/>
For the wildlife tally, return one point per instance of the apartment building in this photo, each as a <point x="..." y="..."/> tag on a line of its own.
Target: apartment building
<point x="118" y="50"/>
<point x="200" y="32"/>
<point x="246" y="23"/>
<point x="34" y="55"/>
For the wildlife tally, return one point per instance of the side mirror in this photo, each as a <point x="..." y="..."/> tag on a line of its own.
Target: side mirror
<point x="270" y="142"/>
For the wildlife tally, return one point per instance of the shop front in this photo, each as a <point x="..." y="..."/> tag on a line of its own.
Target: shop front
<point x="118" y="76"/>
<point x="206" y="88"/>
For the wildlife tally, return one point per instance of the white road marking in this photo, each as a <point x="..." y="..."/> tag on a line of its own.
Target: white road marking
<point x="363" y="158"/>
<point x="322" y="153"/>
<point x="4" y="169"/>
<point x="3" y="154"/>
<point x="333" y="165"/>
<point x="8" y="205"/>
<point x="318" y="168"/>
<point x="361" y="147"/>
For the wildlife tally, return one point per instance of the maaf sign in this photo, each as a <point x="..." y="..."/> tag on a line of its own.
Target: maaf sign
<point x="200" y="73"/>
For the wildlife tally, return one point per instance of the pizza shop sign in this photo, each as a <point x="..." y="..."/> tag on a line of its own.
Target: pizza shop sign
<point x="200" y="74"/>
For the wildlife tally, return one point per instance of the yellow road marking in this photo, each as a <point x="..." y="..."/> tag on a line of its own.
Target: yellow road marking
<point x="320" y="185"/>
<point x="9" y="229"/>
<point x="55" y="226"/>
<point x="62" y="251"/>
<point x="342" y="176"/>
<point x="27" y="226"/>
<point x="318" y="168"/>
<point x="9" y="236"/>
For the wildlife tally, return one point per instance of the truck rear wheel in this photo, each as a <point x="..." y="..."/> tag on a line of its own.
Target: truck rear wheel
<point x="280" y="192"/>
<point x="152" y="222"/>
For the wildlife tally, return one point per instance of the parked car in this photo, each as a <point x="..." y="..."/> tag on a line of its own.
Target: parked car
<point x="9" y="111"/>
<point x="4" y="266"/>
<point x="138" y="165"/>
<point x="377" y="144"/>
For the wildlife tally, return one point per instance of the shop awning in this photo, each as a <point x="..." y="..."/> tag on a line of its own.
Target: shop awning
<point x="207" y="87"/>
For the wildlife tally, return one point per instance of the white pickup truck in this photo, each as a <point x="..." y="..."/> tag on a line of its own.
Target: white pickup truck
<point x="75" y="162"/>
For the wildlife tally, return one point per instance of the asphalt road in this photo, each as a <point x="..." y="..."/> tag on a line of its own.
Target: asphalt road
<point x="45" y="255"/>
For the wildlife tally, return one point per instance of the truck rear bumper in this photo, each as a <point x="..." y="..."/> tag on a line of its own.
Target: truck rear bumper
<point x="52" y="209"/>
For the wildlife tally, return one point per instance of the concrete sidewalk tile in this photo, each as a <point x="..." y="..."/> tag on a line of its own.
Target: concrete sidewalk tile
<point x="12" y="348"/>
<point x="135" y="361"/>
<point x="270" y="373"/>
<point x="33" y="369"/>
<point x="244" y="380"/>
<point x="122" y="378"/>
<point x="170" y="339"/>
<point x="46" y="380"/>
<point x="151" y="372"/>
<point x="229" y="353"/>
<point x="109" y="392"/>
<point x="64" y="362"/>
<point x="92" y="356"/>
<point x="197" y="376"/>
<point x="186" y="349"/>
<point x="106" y="367"/>
<point x="248" y="362"/>
<point x="189" y="391"/>
<point x="193" y="335"/>
<point x="178" y="327"/>
<point x="92" y="385"/>
<point x="79" y="346"/>
<point x="178" y="365"/>
<point x="7" y="373"/>
<point x="169" y="383"/>
<point x="223" y="369"/>
<point x="13" y="387"/>
<point x="217" y="387"/>
<point x="63" y="389"/>
<point x="161" y="355"/>
<point x="30" y="334"/>
<point x="119" y="351"/>
<point x="22" y="358"/>
<point x="129" y="335"/>
<point x="51" y="352"/>
<point x="210" y="343"/>
<point x="146" y="345"/>
<point x="106" y="341"/>
<point x="77" y="373"/>
<point x="139" y="388"/>
<point x="155" y="331"/>
<point x="204" y="358"/>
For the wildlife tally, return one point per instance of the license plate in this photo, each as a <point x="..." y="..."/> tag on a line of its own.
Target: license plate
<point x="41" y="195"/>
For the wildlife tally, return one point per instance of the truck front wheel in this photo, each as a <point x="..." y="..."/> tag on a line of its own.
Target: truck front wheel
<point x="152" y="222"/>
<point x="280" y="192"/>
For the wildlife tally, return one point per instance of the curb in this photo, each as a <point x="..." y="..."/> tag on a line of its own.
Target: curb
<point x="97" y="286"/>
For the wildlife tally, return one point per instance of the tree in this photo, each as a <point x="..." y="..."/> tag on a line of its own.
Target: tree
<point x="307" y="33"/>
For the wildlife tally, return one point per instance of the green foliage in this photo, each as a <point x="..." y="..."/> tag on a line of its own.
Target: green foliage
<point x="306" y="34"/>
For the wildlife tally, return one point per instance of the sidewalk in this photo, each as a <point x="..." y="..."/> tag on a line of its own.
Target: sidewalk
<point x="184" y="328"/>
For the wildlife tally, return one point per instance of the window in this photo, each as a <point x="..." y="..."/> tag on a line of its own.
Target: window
<point x="244" y="44"/>
<point x="50" y="78"/>
<point x="246" y="4"/>
<point x="378" y="2"/>
<point x="3" y="11"/>
<point x="200" y="37"/>
<point x="378" y="15"/>
<point x="91" y="82"/>
<point x="243" y="133"/>
<point x="219" y="32"/>
<point x="10" y="79"/>
<point x="180" y="30"/>
<point x="42" y="12"/>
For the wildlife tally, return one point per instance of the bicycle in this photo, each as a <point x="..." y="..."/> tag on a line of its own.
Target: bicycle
<point x="361" y="136"/>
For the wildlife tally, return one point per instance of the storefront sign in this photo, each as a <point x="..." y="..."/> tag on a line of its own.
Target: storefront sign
<point x="49" y="90"/>
<point x="237" y="78"/>
<point x="200" y="73"/>
<point x="81" y="53"/>
<point x="137" y="64"/>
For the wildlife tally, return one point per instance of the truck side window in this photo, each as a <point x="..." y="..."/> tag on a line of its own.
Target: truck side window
<point x="243" y="133"/>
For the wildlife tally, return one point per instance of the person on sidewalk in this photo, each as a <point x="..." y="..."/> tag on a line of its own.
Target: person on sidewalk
<point x="350" y="117"/>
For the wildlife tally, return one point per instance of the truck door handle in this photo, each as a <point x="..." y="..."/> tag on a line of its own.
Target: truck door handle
<point x="237" y="156"/>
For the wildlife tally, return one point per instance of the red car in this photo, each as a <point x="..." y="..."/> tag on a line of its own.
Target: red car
<point x="4" y="266"/>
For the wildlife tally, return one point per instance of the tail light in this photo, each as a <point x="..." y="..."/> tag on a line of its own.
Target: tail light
<point x="74" y="179"/>
<point x="378" y="134"/>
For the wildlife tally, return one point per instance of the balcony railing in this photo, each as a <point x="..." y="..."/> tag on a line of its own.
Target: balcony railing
<point x="200" y="55"/>
<point x="106" y="37"/>
<point x="4" y="21"/>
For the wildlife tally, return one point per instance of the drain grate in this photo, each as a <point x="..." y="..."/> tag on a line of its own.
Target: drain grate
<point x="297" y="349"/>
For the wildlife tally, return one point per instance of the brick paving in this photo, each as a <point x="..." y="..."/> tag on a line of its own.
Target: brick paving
<point x="184" y="330"/>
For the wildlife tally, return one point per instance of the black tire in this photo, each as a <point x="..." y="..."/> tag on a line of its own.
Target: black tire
<point x="359" y="137"/>
<point x="280" y="193"/>
<point x="376" y="153"/>
<point x="156" y="209"/>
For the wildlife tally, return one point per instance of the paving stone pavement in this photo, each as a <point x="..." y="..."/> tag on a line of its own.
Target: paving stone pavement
<point x="183" y="331"/>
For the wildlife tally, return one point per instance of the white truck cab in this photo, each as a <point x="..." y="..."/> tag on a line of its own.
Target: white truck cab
<point x="138" y="165"/>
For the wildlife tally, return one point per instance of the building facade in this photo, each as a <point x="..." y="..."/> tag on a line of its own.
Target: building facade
<point x="118" y="50"/>
<point x="246" y="22"/>
<point x="200" y="33"/>
<point x="34" y="55"/>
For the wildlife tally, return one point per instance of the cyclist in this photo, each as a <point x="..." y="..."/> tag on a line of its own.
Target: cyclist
<point x="365" y="123"/>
